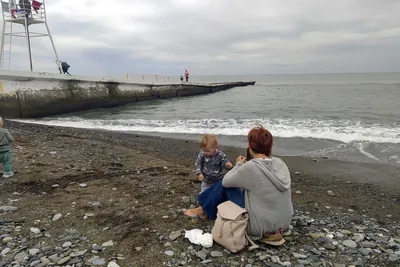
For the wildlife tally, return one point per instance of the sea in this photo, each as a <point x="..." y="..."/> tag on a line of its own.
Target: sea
<point x="350" y="117"/>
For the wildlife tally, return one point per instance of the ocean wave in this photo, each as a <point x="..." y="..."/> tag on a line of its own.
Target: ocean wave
<point x="340" y="130"/>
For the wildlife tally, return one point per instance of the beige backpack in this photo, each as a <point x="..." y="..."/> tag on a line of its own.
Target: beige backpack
<point x="230" y="227"/>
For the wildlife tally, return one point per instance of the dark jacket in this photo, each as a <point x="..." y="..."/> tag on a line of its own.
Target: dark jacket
<point x="5" y="140"/>
<point x="65" y="65"/>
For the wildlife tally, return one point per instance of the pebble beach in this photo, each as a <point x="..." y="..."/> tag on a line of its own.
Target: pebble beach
<point x="97" y="198"/>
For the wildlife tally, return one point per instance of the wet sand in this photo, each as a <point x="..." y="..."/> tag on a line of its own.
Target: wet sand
<point x="386" y="176"/>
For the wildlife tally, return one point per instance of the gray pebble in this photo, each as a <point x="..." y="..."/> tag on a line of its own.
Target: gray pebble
<point x="47" y="248"/>
<point x="186" y="200"/>
<point x="78" y="253"/>
<point x="98" y="262"/>
<point x="216" y="254"/>
<point x="298" y="255"/>
<point x="169" y="253"/>
<point x="349" y="243"/>
<point x="67" y="244"/>
<point x="303" y="262"/>
<point x="377" y="251"/>
<point x="8" y="208"/>
<point x="34" y="251"/>
<point x="350" y="251"/>
<point x="109" y="243"/>
<point x="202" y="255"/>
<point x="34" y="263"/>
<point x="55" y="258"/>
<point x="329" y="246"/>
<point x="316" y="251"/>
<point x="364" y="251"/>
<point x="96" y="204"/>
<point x="74" y="261"/>
<point x="174" y="235"/>
<point x="264" y="257"/>
<point x="394" y="257"/>
<point x="20" y="256"/>
<point x="64" y="260"/>
<point x="367" y="244"/>
<point x="97" y="247"/>
<point x="45" y="260"/>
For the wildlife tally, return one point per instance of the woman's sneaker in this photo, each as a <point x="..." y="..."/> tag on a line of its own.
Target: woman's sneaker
<point x="273" y="239"/>
<point x="287" y="232"/>
<point x="8" y="174"/>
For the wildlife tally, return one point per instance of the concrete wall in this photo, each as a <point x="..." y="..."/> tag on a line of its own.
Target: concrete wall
<point x="30" y="94"/>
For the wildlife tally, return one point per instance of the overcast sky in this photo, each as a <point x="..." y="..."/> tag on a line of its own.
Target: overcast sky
<point x="114" y="37"/>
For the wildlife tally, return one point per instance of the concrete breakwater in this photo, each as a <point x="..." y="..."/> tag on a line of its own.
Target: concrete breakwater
<point x="35" y="94"/>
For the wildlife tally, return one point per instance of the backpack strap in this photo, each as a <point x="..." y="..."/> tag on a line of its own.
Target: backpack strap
<point x="253" y="245"/>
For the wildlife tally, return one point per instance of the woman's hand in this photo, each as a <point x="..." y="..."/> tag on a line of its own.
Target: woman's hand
<point x="240" y="160"/>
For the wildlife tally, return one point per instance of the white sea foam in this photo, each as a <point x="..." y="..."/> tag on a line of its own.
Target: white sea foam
<point x="340" y="130"/>
<point x="361" y="148"/>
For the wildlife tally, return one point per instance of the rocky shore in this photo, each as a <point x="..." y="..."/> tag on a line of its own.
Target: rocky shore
<point x="93" y="198"/>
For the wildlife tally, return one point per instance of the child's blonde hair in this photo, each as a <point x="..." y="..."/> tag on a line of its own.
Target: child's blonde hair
<point x="1" y="122"/>
<point x="208" y="140"/>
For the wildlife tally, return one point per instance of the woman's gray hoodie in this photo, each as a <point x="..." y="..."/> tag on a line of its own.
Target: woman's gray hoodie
<point x="267" y="191"/>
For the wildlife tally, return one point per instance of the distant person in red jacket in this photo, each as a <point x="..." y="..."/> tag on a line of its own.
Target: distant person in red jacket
<point x="187" y="75"/>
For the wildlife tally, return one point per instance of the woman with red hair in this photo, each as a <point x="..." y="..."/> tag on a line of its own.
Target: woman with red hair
<point x="262" y="185"/>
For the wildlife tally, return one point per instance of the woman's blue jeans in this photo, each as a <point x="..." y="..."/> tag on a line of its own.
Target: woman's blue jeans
<point x="217" y="194"/>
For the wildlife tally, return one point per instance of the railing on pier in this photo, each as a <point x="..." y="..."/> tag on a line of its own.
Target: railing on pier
<point x="151" y="78"/>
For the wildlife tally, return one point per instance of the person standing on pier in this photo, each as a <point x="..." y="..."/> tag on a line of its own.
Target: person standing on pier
<point x="65" y="67"/>
<point x="187" y="75"/>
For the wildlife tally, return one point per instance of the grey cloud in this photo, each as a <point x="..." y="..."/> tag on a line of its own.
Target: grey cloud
<point x="229" y="37"/>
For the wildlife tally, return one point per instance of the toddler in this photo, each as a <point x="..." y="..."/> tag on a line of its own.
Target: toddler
<point x="210" y="162"/>
<point x="5" y="153"/>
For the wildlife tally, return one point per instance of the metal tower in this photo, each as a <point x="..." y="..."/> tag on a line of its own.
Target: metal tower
<point x="26" y="13"/>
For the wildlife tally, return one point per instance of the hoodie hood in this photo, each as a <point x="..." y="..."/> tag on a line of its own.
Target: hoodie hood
<point x="276" y="171"/>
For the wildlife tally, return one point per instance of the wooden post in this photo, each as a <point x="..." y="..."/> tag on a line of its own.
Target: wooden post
<point x="127" y="76"/>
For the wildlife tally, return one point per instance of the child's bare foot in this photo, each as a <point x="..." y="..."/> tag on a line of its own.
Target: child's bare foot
<point x="196" y="212"/>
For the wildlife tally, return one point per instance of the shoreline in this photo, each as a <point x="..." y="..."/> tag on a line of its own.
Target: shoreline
<point x="132" y="189"/>
<point x="309" y="147"/>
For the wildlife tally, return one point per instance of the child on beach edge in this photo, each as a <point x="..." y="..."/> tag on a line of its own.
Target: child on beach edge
<point x="210" y="162"/>
<point x="5" y="154"/>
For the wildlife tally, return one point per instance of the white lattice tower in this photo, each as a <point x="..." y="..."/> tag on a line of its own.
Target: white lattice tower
<point x="26" y="13"/>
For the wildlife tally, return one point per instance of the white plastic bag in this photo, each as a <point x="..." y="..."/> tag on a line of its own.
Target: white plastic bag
<point x="197" y="237"/>
<point x="112" y="264"/>
<point x="207" y="241"/>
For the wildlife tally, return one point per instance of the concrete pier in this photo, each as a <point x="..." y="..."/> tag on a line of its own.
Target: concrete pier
<point x="35" y="94"/>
